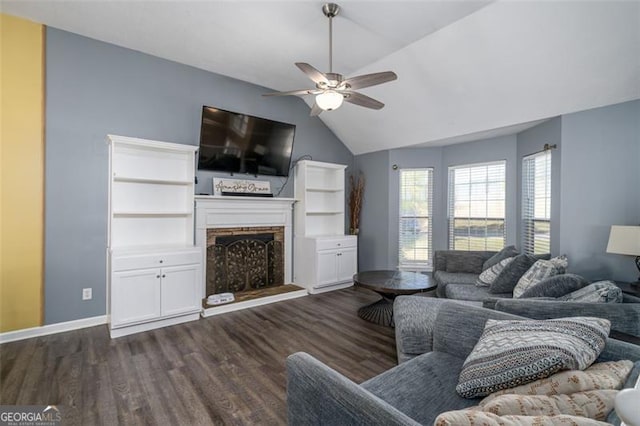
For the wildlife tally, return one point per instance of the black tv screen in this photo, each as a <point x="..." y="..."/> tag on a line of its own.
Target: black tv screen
<point x="240" y="143"/>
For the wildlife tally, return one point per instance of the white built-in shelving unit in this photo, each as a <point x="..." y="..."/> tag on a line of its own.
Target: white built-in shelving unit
<point x="154" y="269"/>
<point x="324" y="257"/>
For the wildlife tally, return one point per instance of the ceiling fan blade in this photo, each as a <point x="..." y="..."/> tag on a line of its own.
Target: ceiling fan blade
<point x="367" y="80"/>
<point x="302" y="92"/>
<point x="315" y="75"/>
<point x="362" y="100"/>
<point x="315" y="110"/>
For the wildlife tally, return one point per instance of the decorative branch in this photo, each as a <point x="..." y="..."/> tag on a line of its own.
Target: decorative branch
<point x="356" y="195"/>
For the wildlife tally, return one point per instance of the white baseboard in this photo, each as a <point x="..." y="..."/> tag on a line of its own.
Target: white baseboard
<point x="27" y="333"/>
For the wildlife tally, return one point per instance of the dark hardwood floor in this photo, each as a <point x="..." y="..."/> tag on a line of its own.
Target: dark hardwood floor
<point x="227" y="369"/>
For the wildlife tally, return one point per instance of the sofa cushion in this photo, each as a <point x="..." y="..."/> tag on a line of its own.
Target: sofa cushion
<point x="539" y="271"/>
<point x="508" y="251"/>
<point x="471" y="292"/>
<point x="555" y="286"/>
<point x="423" y="387"/>
<point x="489" y="275"/>
<point x="598" y="292"/>
<point x="443" y="277"/>
<point x="464" y="262"/>
<point x="508" y="278"/>
<point x="514" y="352"/>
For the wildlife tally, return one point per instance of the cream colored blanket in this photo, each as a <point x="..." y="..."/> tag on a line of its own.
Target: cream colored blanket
<point x="580" y="398"/>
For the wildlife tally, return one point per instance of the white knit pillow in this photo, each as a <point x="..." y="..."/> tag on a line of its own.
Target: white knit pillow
<point x="489" y="275"/>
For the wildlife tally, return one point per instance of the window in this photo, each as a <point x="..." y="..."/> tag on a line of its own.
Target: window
<point x="536" y="203"/>
<point x="477" y="206"/>
<point x="416" y="194"/>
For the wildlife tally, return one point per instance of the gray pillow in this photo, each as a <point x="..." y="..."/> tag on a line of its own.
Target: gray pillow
<point x="508" y="278"/>
<point x="598" y="292"/>
<point x="508" y="251"/>
<point x="556" y="286"/>
<point x="464" y="262"/>
<point x="514" y="352"/>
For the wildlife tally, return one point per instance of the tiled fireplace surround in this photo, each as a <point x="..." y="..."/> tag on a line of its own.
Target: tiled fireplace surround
<point x="220" y="215"/>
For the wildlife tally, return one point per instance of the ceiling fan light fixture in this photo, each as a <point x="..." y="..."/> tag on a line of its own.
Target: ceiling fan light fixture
<point x="329" y="100"/>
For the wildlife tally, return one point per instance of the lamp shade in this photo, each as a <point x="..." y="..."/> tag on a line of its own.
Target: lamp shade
<point x="624" y="240"/>
<point x="329" y="100"/>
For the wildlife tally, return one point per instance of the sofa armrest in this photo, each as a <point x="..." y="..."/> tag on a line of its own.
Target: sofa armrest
<point x="319" y="395"/>
<point x="624" y="317"/>
<point x="440" y="257"/>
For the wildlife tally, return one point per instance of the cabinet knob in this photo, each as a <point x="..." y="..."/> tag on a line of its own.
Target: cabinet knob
<point x="163" y="276"/>
<point x="157" y="276"/>
<point x="161" y="261"/>
<point x="339" y="244"/>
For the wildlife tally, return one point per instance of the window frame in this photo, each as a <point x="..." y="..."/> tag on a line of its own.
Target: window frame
<point x="451" y="205"/>
<point x="427" y="264"/>
<point x="529" y="209"/>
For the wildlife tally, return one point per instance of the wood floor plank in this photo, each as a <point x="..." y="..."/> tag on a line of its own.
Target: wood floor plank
<point x="222" y="370"/>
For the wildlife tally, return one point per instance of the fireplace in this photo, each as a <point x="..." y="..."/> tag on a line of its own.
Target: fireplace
<point x="246" y="218"/>
<point x="244" y="258"/>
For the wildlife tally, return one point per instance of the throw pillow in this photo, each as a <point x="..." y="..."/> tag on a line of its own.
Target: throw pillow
<point x="555" y="286"/>
<point x="489" y="275"/>
<point x="464" y="262"/>
<point x="598" y="292"/>
<point x="508" y="278"/>
<point x="539" y="271"/>
<point x="514" y="352"/>
<point x="508" y="251"/>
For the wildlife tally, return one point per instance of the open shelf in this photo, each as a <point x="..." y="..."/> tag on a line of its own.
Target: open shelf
<point x="151" y="213"/>
<point x="321" y="189"/>
<point x="134" y="179"/>
<point x="319" y="212"/>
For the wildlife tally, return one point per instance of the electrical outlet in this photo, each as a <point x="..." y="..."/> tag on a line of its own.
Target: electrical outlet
<point x="86" y="294"/>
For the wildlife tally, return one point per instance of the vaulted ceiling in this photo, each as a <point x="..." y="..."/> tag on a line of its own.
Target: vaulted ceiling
<point x="465" y="68"/>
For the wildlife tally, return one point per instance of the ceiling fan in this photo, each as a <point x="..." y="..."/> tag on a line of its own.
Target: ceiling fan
<point x="332" y="88"/>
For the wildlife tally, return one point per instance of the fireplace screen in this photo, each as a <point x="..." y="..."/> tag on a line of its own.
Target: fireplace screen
<point x="241" y="259"/>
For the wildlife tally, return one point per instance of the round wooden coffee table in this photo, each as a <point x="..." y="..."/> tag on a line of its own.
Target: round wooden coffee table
<point x="389" y="284"/>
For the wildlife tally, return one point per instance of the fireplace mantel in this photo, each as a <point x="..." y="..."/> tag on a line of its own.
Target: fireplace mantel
<point x="229" y="212"/>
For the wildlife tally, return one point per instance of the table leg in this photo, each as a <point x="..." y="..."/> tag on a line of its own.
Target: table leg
<point x="380" y="312"/>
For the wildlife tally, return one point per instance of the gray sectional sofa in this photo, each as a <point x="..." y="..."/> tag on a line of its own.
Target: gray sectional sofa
<point x="422" y="386"/>
<point x="456" y="272"/>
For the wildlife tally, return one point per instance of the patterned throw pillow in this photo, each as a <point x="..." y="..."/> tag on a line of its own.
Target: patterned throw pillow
<point x="488" y="276"/>
<point x="508" y="251"/>
<point x="513" y="352"/>
<point x="540" y="270"/>
<point x="598" y="292"/>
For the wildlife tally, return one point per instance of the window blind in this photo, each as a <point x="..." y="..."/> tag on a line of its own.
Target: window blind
<point x="476" y="214"/>
<point x="536" y="203"/>
<point x="416" y="199"/>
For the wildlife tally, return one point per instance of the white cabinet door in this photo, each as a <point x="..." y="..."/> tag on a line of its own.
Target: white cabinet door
<point x="135" y="296"/>
<point x="179" y="289"/>
<point x="347" y="264"/>
<point x="327" y="267"/>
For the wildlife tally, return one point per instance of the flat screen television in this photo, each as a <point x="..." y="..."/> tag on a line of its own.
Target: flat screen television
<point x="240" y="143"/>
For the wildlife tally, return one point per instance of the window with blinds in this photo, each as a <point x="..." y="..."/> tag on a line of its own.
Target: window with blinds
<point x="477" y="195"/>
<point x="416" y="194"/>
<point x="536" y="203"/>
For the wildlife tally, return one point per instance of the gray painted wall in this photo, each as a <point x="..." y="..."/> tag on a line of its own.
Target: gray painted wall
<point x="381" y="216"/>
<point x="600" y="187"/>
<point x="531" y="141"/>
<point x="595" y="181"/>
<point x="373" y="239"/>
<point x="94" y="89"/>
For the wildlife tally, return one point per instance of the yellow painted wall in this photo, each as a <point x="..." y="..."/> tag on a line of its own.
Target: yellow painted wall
<point x="21" y="173"/>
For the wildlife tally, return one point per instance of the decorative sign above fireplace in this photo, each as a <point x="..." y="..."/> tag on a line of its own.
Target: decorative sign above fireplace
<point x="240" y="186"/>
